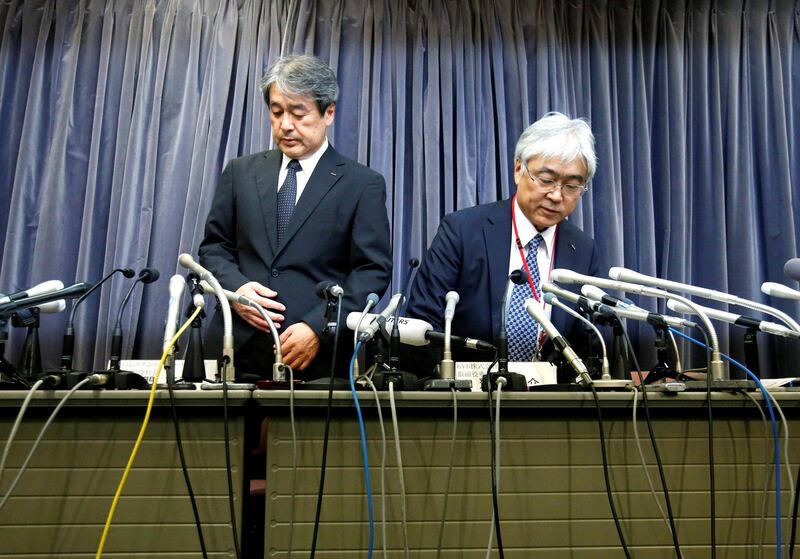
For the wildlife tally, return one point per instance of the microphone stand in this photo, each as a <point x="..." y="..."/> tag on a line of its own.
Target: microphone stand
<point x="402" y="380"/>
<point x="751" y="351"/>
<point x="194" y="369"/>
<point x="29" y="364"/>
<point x="515" y="382"/>
<point x="117" y="378"/>
<point x="9" y="379"/>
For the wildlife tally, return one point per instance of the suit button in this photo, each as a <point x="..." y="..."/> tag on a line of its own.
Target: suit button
<point x="275" y="273"/>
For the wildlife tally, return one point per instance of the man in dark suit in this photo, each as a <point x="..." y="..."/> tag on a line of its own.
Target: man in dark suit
<point x="285" y="219"/>
<point x="476" y="248"/>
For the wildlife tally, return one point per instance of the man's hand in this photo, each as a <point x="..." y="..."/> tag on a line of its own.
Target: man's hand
<point x="299" y="344"/>
<point x="265" y="297"/>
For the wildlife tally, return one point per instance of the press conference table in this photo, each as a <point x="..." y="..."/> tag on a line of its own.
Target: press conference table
<point x="59" y="507"/>
<point x="552" y="495"/>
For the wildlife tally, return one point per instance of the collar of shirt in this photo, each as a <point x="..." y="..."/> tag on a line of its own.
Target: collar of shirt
<point x="307" y="166"/>
<point x="527" y="232"/>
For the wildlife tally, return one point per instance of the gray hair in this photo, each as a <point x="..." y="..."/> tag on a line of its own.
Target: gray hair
<point x="302" y="74"/>
<point x="556" y="136"/>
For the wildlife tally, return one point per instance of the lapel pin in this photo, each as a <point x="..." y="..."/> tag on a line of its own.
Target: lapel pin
<point x="332" y="173"/>
<point x="572" y="246"/>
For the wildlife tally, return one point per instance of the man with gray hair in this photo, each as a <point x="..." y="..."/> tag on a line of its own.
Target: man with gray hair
<point x="475" y="249"/>
<point x="286" y="219"/>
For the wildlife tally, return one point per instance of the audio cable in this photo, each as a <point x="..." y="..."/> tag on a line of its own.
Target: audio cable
<point x="400" y="476"/>
<point x="17" y="421"/>
<point x="449" y="472"/>
<point x="362" y="426"/>
<point x="24" y="466"/>
<point x="775" y="436"/>
<point x="142" y="431"/>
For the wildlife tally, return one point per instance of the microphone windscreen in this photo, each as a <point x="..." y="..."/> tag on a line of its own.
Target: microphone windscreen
<point x="148" y="275"/>
<point x="322" y="287"/>
<point x="518" y="277"/>
<point x="792" y="268"/>
<point x="373" y="298"/>
<point x="413" y="262"/>
<point x="127" y="272"/>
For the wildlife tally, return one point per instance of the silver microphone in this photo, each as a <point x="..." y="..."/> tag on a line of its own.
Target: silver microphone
<point x="376" y="324"/>
<point x="186" y="260"/>
<point x="779" y="290"/>
<point x="538" y="314"/>
<point x="447" y="367"/>
<point x="739" y="320"/>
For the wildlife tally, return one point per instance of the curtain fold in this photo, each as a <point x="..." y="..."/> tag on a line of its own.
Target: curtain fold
<point x="118" y="117"/>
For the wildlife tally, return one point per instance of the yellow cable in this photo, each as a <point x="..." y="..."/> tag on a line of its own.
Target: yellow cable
<point x="141" y="433"/>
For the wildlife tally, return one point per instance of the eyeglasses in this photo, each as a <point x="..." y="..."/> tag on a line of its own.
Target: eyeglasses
<point x="547" y="186"/>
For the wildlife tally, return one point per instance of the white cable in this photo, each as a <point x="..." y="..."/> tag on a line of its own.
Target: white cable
<point x="678" y="366"/>
<point x="369" y="382"/>
<point x="644" y="461"/>
<point x="449" y="472"/>
<point x="785" y="453"/>
<point x="17" y="422"/>
<point x="399" y="468"/>
<point x="294" y="459"/>
<point x="39" y="438"/>
<point x="767" y="472"/>
<point x="500" y="383"/>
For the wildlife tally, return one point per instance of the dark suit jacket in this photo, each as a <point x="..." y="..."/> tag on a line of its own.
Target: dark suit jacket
<point x="339" y="231"/>
<point x="470" y="255"/>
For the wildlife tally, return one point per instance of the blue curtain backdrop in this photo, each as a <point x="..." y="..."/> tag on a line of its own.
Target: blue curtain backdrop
<point x="118" y="116"/>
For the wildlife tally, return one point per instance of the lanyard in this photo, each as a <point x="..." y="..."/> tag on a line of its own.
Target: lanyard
<point x="522" y="252"/>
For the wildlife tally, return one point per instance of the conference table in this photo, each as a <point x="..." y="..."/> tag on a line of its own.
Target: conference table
<point x="60" y="506"/>
<point x="552" y="498"/>
<point x="551" y="491"/>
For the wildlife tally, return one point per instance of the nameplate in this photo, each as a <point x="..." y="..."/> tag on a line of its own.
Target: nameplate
<point x="147" y="368"/>
<point x="536" y="373"/>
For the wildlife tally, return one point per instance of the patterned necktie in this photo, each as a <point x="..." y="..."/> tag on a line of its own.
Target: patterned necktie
<point x="286" y="197"/>
<point x="522" y="330"/>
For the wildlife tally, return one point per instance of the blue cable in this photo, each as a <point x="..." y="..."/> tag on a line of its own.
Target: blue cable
<point x="775" y="436"/>
<point x="367" y="480"/>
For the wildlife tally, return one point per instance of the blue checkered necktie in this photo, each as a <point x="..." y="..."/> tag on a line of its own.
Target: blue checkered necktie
<point x="287" y="196"/>
<point x="522" y="330"/>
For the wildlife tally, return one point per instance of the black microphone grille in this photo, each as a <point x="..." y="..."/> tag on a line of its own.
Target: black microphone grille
<point x="148" y="275"/>
<point x="127" y="272"/>
<point x="414" y="262"/>
<point x="518" y="277"/>
<point x="321" y="289"/>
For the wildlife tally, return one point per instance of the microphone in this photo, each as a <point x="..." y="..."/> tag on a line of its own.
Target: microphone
<point x="176" y="287"/>
<point x="373" y="327"/>
<point x="516" y="277"/>
<point x="40" y="289"/>
<point x="326" y="289"/>
<point x="716" y="365"/>
<point x="559" y="341"/>
<point x="739" y="320"/>
<point x="779" y="290"/>
<point x="792" y="268"/>
<point x="75" y="290"/>
<point x="52" y="307"/>
<point x="551" y="299"/>
<point x="394" y="337"/>
<point x="624" y="274"/>
<point x="68" y="341"/>
<point x="418" y="332"/>
<point x="228" y="369"/>
<point x="632" y="311"/>
<point x="597" y="294"/>
<point x="146" y="275"/>
<point x="451" y="300"/>
<point x="447" y="367"/>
